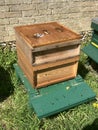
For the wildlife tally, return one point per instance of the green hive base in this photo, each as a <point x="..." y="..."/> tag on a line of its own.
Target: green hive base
<point x="58" y="97"/>
<point x="91" y="51"/>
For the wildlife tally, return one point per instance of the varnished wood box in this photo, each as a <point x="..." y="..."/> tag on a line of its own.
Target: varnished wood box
<point x="47" y="53"/>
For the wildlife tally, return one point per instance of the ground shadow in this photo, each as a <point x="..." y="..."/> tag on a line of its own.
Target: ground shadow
<point x="93" y="126"/>
<point x="82" y="70"/>
<point x="6" y="86"/>
<point x="93" y="64"/>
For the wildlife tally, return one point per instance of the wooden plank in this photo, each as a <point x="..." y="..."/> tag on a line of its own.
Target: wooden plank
<point x="55" y="74"/>
<point x="58" y="44"/>
<point x="56" y="54"/>
<point x="46" y="65"/>
<point x="20" y="43"/>
<point x="28" y="76"/>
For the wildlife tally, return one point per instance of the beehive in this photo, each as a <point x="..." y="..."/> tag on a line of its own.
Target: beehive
<point x="47" y="53"/>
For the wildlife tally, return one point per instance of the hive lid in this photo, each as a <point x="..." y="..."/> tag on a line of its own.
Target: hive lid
<point x="47" y="33"/>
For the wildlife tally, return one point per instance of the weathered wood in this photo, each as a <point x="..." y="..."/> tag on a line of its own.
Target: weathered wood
<point x="49" y="76"/>
<point x="47" y="53"/>
<point x="56" y="54"/>
<point x="21" y="55"/>
<point x="45" y="74"/>
<point x="55" y="33"/>
<point x="56" y="74"/>
<point x="20" y="42"/>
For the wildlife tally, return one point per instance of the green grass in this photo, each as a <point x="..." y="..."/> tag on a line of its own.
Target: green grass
<point x="15" y="113"/>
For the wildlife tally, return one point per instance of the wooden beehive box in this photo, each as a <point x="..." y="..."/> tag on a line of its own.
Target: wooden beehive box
<point x="47" y="53"/>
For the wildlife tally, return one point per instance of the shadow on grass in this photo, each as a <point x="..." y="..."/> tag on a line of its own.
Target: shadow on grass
<point x="93" y="126"/>
<point x="93" y="64"/>
<point x="6" y="87"/>
<point x="82" y="70"/>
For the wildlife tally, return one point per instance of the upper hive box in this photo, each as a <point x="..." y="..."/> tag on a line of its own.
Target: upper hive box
<point x="47" y="53"/>
<point x="47" y="42"/>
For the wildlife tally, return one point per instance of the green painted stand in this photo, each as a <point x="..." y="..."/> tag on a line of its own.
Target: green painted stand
<point x="58" y="97"/>
<point x="91" y="51"/>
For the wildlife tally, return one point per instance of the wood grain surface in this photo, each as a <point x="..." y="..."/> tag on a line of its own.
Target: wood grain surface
<point x="50" y="33"/>
<point x="47" y="53"/>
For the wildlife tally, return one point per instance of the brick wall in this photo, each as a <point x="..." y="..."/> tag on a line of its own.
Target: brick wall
<point x="75" y="14"/>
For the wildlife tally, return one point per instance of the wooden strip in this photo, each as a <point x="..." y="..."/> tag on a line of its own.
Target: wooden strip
<point x="27" y="49"/>
<point x="29" y="77"/>
<point x="75" y="68"/>
<point x="58" y="44"/>
<point x="44" y="84"/>
<point x="56" y="54"/>
<point x="49" y="65"/>
<point x="27" y="67"/>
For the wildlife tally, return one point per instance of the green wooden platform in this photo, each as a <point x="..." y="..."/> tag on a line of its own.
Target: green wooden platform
<point x="91" y="51"/>
<point x="58" y="97"/>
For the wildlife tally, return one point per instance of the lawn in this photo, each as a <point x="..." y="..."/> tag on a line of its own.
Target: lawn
<point x="15" y="113"/>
